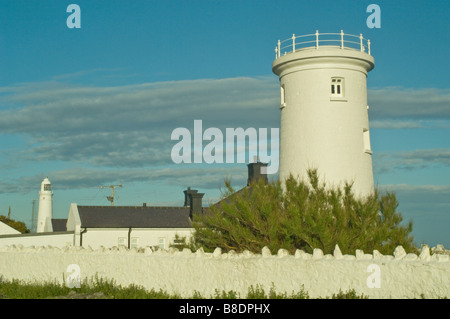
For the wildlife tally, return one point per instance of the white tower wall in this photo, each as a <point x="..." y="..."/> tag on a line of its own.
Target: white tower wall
<point x="45" y="212"/>
<point x="320" y="129"/>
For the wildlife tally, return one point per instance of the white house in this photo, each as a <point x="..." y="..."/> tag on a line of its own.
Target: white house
<point x="116" y="226"/>
<point x="128" y="226"/>
<point x="109" y="226"/>
<point x="7" y="230"/>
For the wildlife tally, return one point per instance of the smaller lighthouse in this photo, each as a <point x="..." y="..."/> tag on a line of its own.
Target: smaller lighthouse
<point x="44" y="222"/>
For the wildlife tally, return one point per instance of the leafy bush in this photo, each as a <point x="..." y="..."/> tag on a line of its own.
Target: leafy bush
<point x="302" y="215"/>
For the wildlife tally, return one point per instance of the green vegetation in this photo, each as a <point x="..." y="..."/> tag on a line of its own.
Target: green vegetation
<point x="302" y="215"/>
<point x="109" y="290"/>
<point x="16" y="289"/>
<point x="19" y="226"/>
<point x="259" y="293"/>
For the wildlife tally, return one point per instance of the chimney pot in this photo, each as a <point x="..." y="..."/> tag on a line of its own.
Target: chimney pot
<point x="257" y="171"/>
<point x="193" y="199"/>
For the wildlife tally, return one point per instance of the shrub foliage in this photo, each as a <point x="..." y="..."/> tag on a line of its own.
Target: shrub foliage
<point x="302" y="215"/>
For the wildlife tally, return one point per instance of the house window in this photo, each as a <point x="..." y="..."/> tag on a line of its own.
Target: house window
<point x="179" y="241"/>
<point x="162" y="243"/>
<point x="337" y="87"/>
<point x="47" y="187"/>
<point x="134" y="242"/>
<point x="122" y="242"/>
<point x="283" y="97"/>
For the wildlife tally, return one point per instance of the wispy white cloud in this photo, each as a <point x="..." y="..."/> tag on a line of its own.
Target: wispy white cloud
<point x="130" y="125"/>
<point x="396" y="124"/>
<point x="127" y="128"/>
<point x="91" y="177"/>
<point x="385" y="162"/>
<point x="422" y="202"/>
<point x="396" y="103"/>
<point x="67" y="109"/>
<point x="444" y="189"/>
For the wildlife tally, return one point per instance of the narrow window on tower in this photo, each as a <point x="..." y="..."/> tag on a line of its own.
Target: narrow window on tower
<point x="283" y="97"/>
<point x="337" y="87"/>
<point x="366" y="141"/>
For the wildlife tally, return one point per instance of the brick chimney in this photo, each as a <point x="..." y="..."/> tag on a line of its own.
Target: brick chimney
<point x="257" y="171"/>
<point x="193" y="199"/>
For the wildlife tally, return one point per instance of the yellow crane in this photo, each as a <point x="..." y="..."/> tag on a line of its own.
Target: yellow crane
<point x="111" y="198"/>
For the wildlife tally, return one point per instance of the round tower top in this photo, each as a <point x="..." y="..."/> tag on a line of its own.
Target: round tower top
<point x="46" y="186"/>
<point x="324" y="48"/>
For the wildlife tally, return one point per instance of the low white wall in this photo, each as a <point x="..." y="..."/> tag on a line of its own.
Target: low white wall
<point x="59" y="240"/>
<point x="401" y="276"/>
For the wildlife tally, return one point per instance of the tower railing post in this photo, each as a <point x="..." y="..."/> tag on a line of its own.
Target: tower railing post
<point x="293" y="42"/>
<point x="361" y="42"/>
<point x="317" y="39"/>
<point x="364" y="44"/>
<point x="279" y="48"/>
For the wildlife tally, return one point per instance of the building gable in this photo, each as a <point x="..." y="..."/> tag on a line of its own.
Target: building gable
<point x="7" y="230"/>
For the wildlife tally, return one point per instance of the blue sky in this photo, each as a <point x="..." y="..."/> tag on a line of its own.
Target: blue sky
<point x="97" y="105"/>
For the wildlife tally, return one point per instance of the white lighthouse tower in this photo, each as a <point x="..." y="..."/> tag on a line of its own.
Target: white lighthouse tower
<point x="45" y="212"/>
<point x="324" y="111"/>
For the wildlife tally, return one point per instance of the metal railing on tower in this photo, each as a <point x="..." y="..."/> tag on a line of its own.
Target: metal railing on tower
<point x="316" y="40"/>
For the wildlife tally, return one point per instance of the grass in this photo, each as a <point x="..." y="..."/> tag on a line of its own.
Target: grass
<point x="16" y="289"/>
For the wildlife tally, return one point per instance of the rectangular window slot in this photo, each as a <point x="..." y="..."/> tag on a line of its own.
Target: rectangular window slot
<point x="366" y="140"/>
<point x="283" y="97"/>
<point x="337" y="87"/>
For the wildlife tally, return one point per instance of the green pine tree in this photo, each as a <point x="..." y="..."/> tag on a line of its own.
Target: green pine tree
<point x="302" y="215"/>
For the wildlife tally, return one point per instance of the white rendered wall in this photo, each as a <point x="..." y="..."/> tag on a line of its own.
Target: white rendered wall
<point x="59" y="240"/>
<point x="318" y="131"/>
<point x="401" y="276"/>
<point x="96" y="238"/>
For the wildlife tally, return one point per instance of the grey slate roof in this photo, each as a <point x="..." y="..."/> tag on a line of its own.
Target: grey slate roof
<point x="208" y="210"/>
<point x="134" y="216"/>
<point x="59" y="224"/>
